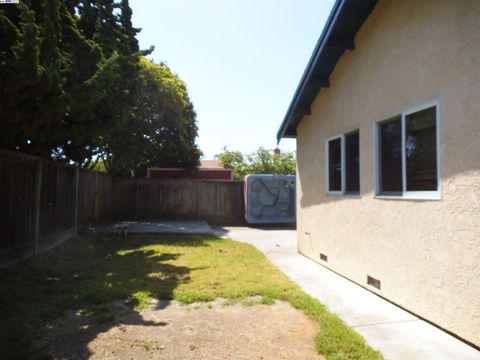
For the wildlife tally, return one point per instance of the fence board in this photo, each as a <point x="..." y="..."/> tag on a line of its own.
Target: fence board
<point x="103" y="197"/>
<point x="57" y="207"/>
<point x="17" y="183"/>
<point x="221" y="201"/>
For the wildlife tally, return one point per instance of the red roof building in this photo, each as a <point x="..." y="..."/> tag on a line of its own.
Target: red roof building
<point x="207" y="170"/>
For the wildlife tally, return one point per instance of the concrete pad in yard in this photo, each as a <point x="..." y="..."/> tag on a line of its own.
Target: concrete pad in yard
<point x="158" y="227"/>
<point x="396" y="333"/>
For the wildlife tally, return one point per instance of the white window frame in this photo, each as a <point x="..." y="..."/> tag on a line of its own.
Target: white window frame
<point x="415" y="195"/>
<point x="343" y="190"/>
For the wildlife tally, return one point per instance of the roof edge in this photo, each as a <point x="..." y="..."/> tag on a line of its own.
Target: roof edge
<point x="337" y="7"/>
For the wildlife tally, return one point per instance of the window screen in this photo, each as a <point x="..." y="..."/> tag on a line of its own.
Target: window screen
<point x="390" y="157"/>
<point x="421" y="150"/>
<point x="352" y="163"/>
<point x="335" y="165"/>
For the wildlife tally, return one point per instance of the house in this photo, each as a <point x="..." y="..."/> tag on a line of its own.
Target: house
<point x="387" y="123"/>
<point x="207" y="170"/>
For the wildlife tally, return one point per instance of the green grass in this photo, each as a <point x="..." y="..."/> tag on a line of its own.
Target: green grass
<point x="148" y="346"/>
<point x="86" y="274"/>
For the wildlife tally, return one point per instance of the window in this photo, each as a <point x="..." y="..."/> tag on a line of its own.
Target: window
<point x="391" y="157"/>
<point x="407" y="154"/>
<point x="352" y="163"/>
<point x="335" y="165"/>
<point x="343" y="164"/>
<point x="421" y="150"/>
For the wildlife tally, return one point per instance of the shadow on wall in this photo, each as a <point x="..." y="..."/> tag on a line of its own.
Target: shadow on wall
<point x="65" y="298"/>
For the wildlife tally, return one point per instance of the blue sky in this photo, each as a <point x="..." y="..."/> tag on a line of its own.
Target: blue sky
<point x="241" y="61"/>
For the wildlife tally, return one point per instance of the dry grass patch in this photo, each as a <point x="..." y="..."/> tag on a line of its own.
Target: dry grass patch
<point x="195" y="331"/>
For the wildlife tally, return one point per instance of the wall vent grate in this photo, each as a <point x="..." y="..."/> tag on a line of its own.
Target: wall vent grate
<point x="373" y="282"/>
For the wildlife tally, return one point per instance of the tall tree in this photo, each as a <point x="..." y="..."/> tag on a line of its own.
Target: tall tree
<point x="85" y="80"/>
<point x="262" y="161"/>
<point x="74" y="86"/>
<point x="162" y="130"/>
<point x="28" y="86"/>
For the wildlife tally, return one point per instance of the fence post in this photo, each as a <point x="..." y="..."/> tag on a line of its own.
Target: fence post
<point x="77" y="182"/>
<point x="198" y="196"/>
<point x="38" y="196"/>
<point x="96" y="196"/>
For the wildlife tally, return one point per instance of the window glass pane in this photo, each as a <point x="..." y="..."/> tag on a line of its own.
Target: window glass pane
<point x="352" y="162"/>
<point x="421" y="150"/>
<point x="390" y="157"/>
<point x="334" y="165"/>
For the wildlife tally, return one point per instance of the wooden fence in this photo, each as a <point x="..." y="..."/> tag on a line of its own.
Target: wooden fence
<point x="43" y="203"/>
<point x="216" y="201"/>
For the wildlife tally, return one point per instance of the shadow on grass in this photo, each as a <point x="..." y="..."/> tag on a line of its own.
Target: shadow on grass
<point x="54" y="305"/>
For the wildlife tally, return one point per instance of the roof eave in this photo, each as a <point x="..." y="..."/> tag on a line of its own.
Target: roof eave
<point x="308" y="70"/>
<point x="308" y="75"/>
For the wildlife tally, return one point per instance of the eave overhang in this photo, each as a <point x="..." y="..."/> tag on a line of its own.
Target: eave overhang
<point x="346" y="18"/>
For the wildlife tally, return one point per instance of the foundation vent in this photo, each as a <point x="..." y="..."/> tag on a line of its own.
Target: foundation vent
<point x="373" y="282"/>
<point x="323" y="257"/>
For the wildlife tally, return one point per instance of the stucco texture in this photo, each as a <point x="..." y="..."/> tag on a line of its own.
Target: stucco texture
<point x="425" y="253"/>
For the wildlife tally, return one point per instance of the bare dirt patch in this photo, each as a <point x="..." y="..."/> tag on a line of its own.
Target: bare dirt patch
<point x="170" y="330"/>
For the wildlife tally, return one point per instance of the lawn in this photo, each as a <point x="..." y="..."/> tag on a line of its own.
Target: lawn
<point x="86" y="274"/>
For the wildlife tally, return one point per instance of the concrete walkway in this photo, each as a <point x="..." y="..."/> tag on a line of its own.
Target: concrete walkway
<point x="395" y="332"/>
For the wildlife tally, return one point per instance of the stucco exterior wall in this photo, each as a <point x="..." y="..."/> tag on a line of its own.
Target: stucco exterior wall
<point x="425" y="253"/>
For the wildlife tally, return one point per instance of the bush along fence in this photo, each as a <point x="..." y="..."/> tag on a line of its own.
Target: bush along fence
<point x="43" y="203"/>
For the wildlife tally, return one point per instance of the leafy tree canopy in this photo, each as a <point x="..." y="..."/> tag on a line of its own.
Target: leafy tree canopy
<point x="262" y="161"/>
<point x="74" y="86"/>
<point x="162" y="129"/>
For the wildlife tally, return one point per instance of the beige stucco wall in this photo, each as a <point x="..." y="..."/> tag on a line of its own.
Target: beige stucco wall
<point x="426" y="253"/>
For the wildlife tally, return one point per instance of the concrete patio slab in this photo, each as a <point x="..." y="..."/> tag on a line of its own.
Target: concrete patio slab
<point x="386" y="327"/>
<point x="157" y="227"/>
